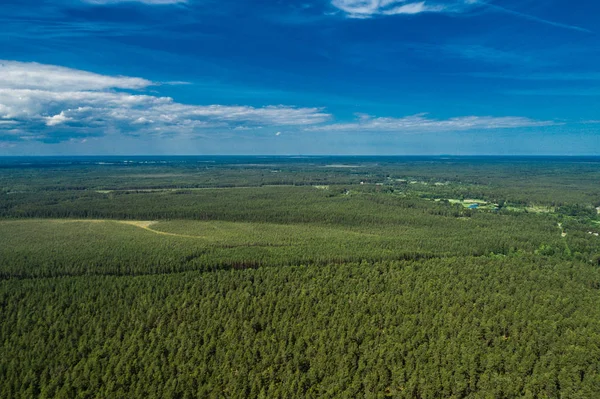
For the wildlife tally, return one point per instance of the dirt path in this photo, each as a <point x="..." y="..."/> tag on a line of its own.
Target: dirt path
<point x="143" y="224"/>
<point x="146" y="225"/>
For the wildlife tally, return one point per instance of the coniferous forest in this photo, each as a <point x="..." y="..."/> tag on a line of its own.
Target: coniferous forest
<point x="319" y="277"/>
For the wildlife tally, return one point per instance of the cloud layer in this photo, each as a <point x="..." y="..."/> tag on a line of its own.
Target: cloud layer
<point x="45" y="102"/>
<point x="51" y="104"/>
<point x="370" y="8"/>
<point x="422" y="124"/>
<point x="22" y="75"/>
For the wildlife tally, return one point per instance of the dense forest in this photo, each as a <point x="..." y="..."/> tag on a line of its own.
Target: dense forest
<point x="283" y="277"/>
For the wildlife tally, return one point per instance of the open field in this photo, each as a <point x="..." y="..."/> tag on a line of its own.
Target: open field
<point x="54" y="247"/>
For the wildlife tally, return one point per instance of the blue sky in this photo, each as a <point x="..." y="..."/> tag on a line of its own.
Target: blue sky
<point x="299" y="77"/>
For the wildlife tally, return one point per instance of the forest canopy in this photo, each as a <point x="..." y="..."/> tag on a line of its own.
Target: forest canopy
<point x="278" y="277"/>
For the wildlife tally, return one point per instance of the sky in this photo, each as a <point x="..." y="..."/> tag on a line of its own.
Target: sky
<point x="308" y="77"/>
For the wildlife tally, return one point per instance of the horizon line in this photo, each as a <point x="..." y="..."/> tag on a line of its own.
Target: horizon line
<point x="297" y="155"/>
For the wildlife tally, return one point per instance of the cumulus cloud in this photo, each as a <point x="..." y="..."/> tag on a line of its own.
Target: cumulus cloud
<point x="422" y="124"/>
<point x="370" y="8"/>
<point x="53" y="103"/>
<point x="57" y="119"/>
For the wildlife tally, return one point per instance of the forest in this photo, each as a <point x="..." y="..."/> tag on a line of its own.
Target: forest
<point x="284" y="277"/>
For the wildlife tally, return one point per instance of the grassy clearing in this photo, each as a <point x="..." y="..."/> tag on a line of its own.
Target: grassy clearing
<point x="531" y="209"/>
<point x="51" y="247"/>
<point x="467" y="201"/>
<point x="485" y="205"/>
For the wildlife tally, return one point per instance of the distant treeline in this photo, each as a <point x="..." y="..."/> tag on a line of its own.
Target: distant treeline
<point x="522" y="181"/>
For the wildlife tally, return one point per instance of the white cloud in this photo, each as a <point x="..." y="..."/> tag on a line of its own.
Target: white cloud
<point x="31" y="75"/>
<point x="54" y="102"/>
<point x="247" y="128"/>
<point x="414" y="8"/>
<point x="370" y="8"/>
<point x="73" y="104"/>
<point x="422" y="124"/>
<point x="142" y="113"/>
<point x="57" y="119"/>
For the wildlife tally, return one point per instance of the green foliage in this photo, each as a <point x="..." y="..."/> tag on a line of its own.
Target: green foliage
<point x="456" y="327"/>
<point x="239" y="279"/>
<point x="62" y="247"/>
<point x="578" y="211"/>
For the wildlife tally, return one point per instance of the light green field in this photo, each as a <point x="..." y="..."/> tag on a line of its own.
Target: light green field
<point x="52" y="247"/>
<point x="485" y="205"/>
<point x="531" y="208"/>
<point x="467" y="201"/>
<point x="56" y="247"/>
<point x="220" y="232"/>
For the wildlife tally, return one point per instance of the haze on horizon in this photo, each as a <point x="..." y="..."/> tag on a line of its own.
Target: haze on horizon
<point x="372" y="77"/>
